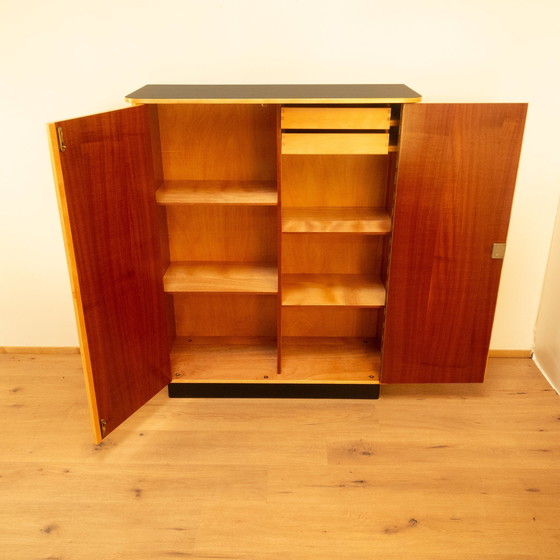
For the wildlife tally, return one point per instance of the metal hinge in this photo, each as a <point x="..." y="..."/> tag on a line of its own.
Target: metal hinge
<point x="498" y="250"/>
<point x="60" y="134"/>
<point x="103" y="424"/>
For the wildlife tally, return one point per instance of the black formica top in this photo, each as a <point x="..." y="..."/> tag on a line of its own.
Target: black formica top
<point x="275" y="93"/>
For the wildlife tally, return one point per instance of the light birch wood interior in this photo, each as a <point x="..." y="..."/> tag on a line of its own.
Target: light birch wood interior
<point x="218" y="192"/>
<point x="334" y="181"/>
<point x="436" y="472"/>
<point x="224" y="170"/>
<point x="330" y="321"/>
<point x="218" y="142"/>
<point x="336" y="220"/>
<point x="221" y="277"/>
<point x="335" y="143"/>
<point x="223" y="314"/>
<point x="208" y="232"/>
<point x="318" y="118"/>
<point x="357" y="290"/>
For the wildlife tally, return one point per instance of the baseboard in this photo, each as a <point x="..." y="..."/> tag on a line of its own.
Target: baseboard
<point x="274" y="390"/>
<point x="39" y="350"/>
<point x="76" y="350"/>
<point x="510" y="354"/>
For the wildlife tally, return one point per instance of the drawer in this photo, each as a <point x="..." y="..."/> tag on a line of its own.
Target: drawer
<point x="349" y="118"/>
<point x="335" y="143"/>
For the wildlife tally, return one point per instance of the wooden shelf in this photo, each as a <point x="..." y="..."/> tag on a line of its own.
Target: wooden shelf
<point x="219" y="277"/>
<point x="218" y="359"/>
<point x="331" y="360"/>
<point x="336" y="220"/>
<point x="258" y="193"/>
<point x="358" y="290"/>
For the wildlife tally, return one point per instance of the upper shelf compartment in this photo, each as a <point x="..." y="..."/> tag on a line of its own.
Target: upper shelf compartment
<point x="279" y="93"/>
<point x="333" y="118"/>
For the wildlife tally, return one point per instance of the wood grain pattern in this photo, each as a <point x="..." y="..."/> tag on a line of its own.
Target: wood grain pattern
<point x="218" y="192"/>
<point x="222" y="233"/>
<point x="279" y="179"/>
<point x="432" y="472"/>
<point x="332" y="289"/>
<point x="510" y="353"/>
<point x="334" y="180"/>
<point x="225" y="142"/>
<point x="39" y="350"/>
<point x="311" y="253"/>
<point x="74" y="280"/>
<point x="349" y="118"/>
<point x="224" y="359"/>
<point x="221" y="277"/>
<point x="331" y="360"/>
<point x="456" y="176"/>
<point x="335" y="143"/>
<point x="335" y="321"/>
<point x="336" y="220"/>
<point x="117" y="258"/>
<point x="198" y="314"/>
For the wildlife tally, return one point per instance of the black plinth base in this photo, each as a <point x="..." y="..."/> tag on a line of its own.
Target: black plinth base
<point x="272" y="391"/>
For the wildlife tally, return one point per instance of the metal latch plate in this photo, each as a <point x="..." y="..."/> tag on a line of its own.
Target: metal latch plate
<point x="498" y="250"/>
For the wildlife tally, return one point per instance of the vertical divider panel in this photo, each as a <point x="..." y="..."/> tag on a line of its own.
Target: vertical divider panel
<point x="162" y="217"/>
<point x="279" y="222"/>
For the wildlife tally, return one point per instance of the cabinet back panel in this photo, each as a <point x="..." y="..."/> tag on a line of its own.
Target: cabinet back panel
<point x="225" y="315"/>
<point x="323" y="321"/>
<point x="222" y="233"/>
<point x="229" y="142"/>
<point x="308" y="253"/>
<point x="334" y="180"/>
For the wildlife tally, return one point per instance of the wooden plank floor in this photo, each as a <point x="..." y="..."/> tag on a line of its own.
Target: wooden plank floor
<point x="427" y="472"/>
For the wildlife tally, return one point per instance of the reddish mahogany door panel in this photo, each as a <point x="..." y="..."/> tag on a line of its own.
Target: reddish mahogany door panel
<point x="455" y="181"/>
<point x="106" y="187"/>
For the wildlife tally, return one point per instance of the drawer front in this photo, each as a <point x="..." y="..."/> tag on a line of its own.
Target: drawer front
<point x="349" y="118"/>
<point x="335" y="143"/>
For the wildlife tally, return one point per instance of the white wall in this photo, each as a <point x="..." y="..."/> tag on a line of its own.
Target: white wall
<point x="547" y="330"/>
<point x="67" y="58"/>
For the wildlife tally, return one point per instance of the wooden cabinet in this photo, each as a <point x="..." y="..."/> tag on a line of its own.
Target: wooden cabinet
<point x="282" y="240"/>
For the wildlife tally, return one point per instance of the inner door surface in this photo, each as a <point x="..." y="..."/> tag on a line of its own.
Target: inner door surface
<point x="105" y="181"/>
<point x="456" y="174"/>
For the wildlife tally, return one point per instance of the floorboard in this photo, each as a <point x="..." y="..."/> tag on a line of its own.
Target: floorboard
<point x="426" y="472"/>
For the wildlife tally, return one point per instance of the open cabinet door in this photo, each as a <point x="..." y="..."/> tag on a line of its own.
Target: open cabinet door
<point x="105" y="182"/>
<point x="455" y="180"/>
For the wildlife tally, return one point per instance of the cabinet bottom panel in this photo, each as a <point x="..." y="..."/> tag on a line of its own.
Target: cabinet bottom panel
<point x="222" y="359"/>
<point x="331" y="359"/>
<point x="254" y="360"/>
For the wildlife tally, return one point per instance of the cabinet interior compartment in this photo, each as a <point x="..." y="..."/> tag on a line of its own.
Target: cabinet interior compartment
<point x="274" y="262"/>
<point x="331" y="344"/>
<point x="336" y="223"/>
<point x="218" y="197"/>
